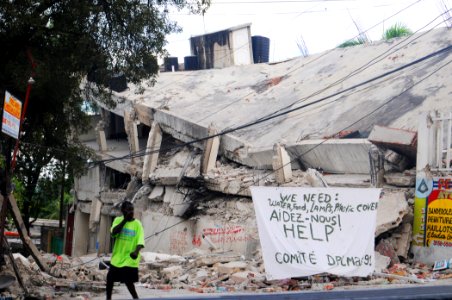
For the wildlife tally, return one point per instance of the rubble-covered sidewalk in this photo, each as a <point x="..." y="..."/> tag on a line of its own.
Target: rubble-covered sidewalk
<point x="199" y="272"/>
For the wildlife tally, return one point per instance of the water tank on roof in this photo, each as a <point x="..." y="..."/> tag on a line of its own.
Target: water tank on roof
<point x="191" y="63"/>
<point x="170" y="63"/>
<point x="261" y="48"/>
<point x="118" y="83"/>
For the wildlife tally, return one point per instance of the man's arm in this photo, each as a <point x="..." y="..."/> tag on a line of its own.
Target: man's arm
<point x="134" y="254"/>
<point x="117" y="229"/>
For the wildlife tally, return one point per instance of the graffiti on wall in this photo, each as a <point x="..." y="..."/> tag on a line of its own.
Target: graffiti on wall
<point x="229" y="234"/>
<point x="178" y="241"/>
<point x="433" y="212"/>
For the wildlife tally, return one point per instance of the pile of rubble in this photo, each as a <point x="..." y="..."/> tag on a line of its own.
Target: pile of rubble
<point x="197" y="272"/>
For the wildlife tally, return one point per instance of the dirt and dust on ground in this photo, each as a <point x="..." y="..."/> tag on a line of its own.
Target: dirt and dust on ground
<point x="198" y="272"/>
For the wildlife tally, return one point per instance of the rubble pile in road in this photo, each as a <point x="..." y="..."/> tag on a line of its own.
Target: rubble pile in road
<point x="68" y="277"/>
<point x="204" y="272"/>
<point x="201" y="272"/>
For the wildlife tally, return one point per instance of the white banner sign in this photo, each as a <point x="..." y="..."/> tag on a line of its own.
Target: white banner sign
<point x="307" y="231"/>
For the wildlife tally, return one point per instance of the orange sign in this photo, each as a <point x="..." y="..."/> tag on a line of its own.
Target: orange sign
<point x="12" y="109"/>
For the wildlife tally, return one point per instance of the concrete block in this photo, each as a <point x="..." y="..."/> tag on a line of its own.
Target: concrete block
<point x="392" y="207"/>
<point x="157" y="194"/>
<point x="172" y="272"/>
<point x="231" y="267"/>
<point x="399" y="140"/>
<point x="403" y="239"/>
<point x="201" y="275"/>
<point x="215" y="259"/>
<point x="400" y="179"/>
<point x="177" y="201"/>
<point x="150" y="257"/>
<point x="385" y="248"/>
<point x="381" y="262"/>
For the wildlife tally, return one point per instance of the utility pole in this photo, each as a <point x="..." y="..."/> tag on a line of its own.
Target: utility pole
<point x="8" y="200"/>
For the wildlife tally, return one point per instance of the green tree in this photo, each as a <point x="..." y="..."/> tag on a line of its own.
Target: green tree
<point x="396" y="30"/>
<point x="59" y="43"/>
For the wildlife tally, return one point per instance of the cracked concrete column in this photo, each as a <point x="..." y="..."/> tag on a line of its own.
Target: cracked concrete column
<point x="152" y="151"/>
<point x="100" y="136"/>
<point x="209" y="157"/>
<point x="103" y="236"/>
<point x="377" y="166"/>
<point x="281" y="164"/>
<point x="132" y="132"/>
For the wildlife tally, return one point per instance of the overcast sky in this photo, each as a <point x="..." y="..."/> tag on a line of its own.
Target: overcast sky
<point x="322" y="24"/>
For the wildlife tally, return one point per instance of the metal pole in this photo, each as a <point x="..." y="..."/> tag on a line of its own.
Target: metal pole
<point x="5" y="190"/>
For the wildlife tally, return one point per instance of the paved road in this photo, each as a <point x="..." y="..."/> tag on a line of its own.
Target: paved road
<point x="418" y="292"/>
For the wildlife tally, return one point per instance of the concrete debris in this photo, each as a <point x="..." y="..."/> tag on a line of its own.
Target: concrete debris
<point x="385" y="248"/>
<point x="399" y="140"/>
<point x="381" y="262"/>
<point x="392" y="207"/>
<point x="401" y="179"/>
<point x="199" y="272"/>
<point x="395" y="162"/>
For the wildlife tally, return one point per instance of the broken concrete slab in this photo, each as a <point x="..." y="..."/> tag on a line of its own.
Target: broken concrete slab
<point x="349" y="156"/>
<point x="381" y="262"/>
<point x="348" y="180"/>
<point x="157" y="194"/>
<point x="399" y="140"/>
<point x="392" y="207"/>
<point x="177" y="200"/>
<point x="215" y="259"/>
<point x="231" y="267"/>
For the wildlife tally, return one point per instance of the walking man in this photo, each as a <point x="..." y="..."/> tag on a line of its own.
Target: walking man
<point x="129" y="240"/>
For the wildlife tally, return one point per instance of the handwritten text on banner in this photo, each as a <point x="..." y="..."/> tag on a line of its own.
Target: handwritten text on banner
<point x="307" y="231"/>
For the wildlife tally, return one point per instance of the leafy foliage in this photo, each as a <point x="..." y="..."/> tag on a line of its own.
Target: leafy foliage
<point x="59" y="43"/>
<point x="352" y="42"/>
<point x="396" y="30"/>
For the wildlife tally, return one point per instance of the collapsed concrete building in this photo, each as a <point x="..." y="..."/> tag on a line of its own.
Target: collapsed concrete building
<point x="186" y="150"/>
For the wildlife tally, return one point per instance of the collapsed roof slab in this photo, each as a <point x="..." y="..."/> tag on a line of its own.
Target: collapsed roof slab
<point x="333" y="156"/>
<point x="304" y="98"/>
